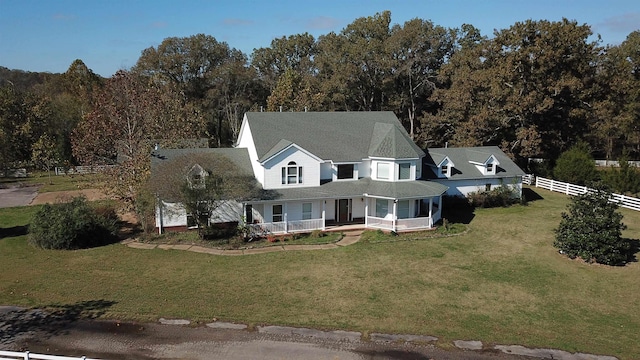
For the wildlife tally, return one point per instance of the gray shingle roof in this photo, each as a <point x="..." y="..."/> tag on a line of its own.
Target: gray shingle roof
<point x="238" y="156"/>
<point x="463" y="169"/>
<point x="345" y="189"/>
<point x="336" y="136"/>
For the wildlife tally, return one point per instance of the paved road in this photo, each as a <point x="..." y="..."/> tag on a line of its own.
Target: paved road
<point x="21" y="196"/>
<point x="116" y="341"/>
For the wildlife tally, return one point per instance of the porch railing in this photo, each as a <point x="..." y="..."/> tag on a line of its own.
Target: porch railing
<point x="414" y="223"/>
<point x="289" y="226"/>
<point x="401" y="224"/>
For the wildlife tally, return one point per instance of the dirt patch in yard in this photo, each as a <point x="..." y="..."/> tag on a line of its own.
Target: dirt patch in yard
<point x="62" y="196"/>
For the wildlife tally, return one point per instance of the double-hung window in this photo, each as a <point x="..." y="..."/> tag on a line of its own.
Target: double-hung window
<point x="277" y="213"/>
<point x="292" y="173"/>
<point x="382" y="208"/>
<point x="306" y="211"/>
<point x="404" y="171"/>
<point x="345" y="171"/>
<point x="383" y="171"/>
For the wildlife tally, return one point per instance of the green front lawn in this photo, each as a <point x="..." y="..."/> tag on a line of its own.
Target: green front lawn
<point x="500" y="281"/>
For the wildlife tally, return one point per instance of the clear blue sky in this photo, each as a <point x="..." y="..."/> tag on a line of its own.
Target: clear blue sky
<point x="47" y="35"/>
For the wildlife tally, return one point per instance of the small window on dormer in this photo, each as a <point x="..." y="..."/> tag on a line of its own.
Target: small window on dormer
<point x="489" y="168"/>
<point x="445" y="170"/>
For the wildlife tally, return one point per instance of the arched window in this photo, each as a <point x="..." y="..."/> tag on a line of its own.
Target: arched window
<point x="292" y="173"/>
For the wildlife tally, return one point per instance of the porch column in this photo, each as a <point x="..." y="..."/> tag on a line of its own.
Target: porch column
<point x="366" y="212"/>
<point x="161" y="215"/>
<point x="430" y="207"/>
<point x="286" y="223"/>
<point x="324" y="220"/>
<point x="395" y="216"/>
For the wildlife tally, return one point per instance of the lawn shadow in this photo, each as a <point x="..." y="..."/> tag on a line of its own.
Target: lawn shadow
<point x="457" y="209"/>
<point x="530" y="195"/>
<point x="14" y="231"/>
<point x="634" y="248"/>
<point x="50" y="320"/>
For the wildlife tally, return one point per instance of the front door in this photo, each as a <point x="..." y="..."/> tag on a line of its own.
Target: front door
<point x="344" y="210"/>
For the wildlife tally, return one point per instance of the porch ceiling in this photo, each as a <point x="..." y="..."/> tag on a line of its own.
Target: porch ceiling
<point x="365" y="186"/>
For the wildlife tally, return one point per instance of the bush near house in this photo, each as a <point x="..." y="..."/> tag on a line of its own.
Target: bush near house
<point x="501" y="196"/>
<point x="73" y="225"/>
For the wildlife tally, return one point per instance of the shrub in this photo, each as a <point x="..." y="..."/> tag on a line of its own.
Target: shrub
<point x="316" y="234"/>
<point x="624" y="179"/>
<point x="592" y="230"/>
<point x="73" y="225"/>
<point x="576" y="166"/>
<point x="501" y="196"/>
<point x="217" y="231"/>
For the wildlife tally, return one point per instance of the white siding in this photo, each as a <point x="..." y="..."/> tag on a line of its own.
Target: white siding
<point x="273" y="169"/>
<point x="245" y="140"/>
<point x="394" y="169"/>
<point x="464" y="187"/>
<point x="326" y="171"/>
<point x="364" y="169"/>
<point x="174" y="214"/>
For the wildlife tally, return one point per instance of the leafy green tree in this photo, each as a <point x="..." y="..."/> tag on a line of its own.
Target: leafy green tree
<point x="624" y="179"/>
<point x="45" y="153"/>
<point x="353" y="66"/>
<point x="418" y="49"/>
<point x="576" y="166"/>
<point x="214" y="78"/>
<point x="527" y="89"/>
<point x="592" y="230"/>
<point x="293" y="53"/>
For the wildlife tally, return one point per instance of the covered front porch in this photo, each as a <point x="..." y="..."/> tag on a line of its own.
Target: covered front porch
<point x="297" y="216"/>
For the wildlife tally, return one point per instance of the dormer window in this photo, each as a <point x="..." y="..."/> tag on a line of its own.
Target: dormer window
<point x="445" y="170"/>
<point x="292" y="174"/>
<point x="196" y="177"/>
<point x="489" y="168"/>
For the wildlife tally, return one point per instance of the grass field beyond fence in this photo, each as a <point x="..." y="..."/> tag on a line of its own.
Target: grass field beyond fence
<point x="501" y="282"/>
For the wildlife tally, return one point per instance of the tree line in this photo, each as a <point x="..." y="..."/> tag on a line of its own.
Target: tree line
<point x="535" y="89"/>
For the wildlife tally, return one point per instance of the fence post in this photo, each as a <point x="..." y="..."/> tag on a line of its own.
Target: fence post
<point x="26" y="355"/>
<point x="551" y="187"/>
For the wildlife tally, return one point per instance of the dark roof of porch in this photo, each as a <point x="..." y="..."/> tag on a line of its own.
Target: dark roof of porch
<point x="362" y="187"/>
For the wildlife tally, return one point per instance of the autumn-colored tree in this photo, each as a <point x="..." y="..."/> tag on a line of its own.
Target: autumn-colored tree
<point x="616" y="125"/>
<point x="130" y="116"/>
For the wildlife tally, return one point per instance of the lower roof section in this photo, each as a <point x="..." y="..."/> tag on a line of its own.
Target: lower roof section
<point x="363" y="187"/>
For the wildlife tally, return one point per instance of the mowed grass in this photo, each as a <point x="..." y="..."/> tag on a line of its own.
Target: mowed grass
<point x="501" y="282"/>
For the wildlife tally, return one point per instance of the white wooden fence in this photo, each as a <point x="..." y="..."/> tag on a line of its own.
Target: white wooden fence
<point x="13" y="355"/>
<point x="82" y="169"/>
<point x="570" y="189"/>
